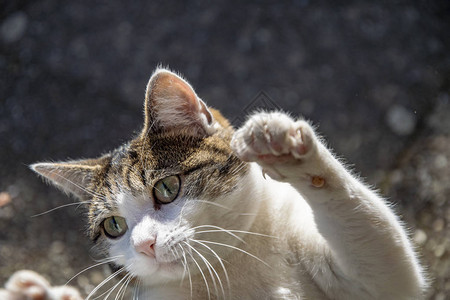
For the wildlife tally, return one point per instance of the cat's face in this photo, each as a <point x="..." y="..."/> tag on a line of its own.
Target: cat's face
<point x="154" y="201"/>
<point x="159" y="190"/>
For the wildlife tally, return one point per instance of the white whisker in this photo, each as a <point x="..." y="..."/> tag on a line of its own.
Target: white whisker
<point x="136" y="290"/>
<point x="123" y="288"/>
<point x="220" y="229"/>
<point x="104" y="282"/>
<point x="210" y="268"/>
<point x="212" y="203"/>
<point x="201" y="272"/>
<point x="177" y="255"/>
<point x="111" y="290"/>
<point x="111" y="259"/>
<point x="220" y="262"/>
<point x="236" y="248"/>
<point x="187" y="267"/>
<point x="61" y="206"/>
<point x="238" y="231"/>
<point x="107" y="258"/>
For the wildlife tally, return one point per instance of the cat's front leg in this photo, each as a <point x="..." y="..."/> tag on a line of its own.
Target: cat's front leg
<point x="368" y="253"/>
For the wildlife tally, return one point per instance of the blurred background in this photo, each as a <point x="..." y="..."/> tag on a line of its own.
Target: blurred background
<point x="374" y="75"/>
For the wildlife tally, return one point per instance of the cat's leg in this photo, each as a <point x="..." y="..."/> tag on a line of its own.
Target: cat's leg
<point x="368" y="252"/>
<point x="28" y="285"/>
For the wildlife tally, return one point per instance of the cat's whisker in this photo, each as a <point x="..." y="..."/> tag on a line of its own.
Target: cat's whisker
<point x="111" y="290"/>
<point x="105" y="261"/>
<point x="212" y="203"/>
<point x="124" y="288"/>
<point x="201" y="272"/>
<point x="121" y="289"/>
<point x="110" y="277"/>
<point x="220" y="229"/>
<point x="187" y="267"/>
<point x="61" y="206"/>
<point x="211" y="270"/>
<point x="184" y="273"/>
<point x="236" y="248"/>
<point x="238" y="231"/>
<point x="177" y="255"/>
<point x="104" y="293"/>
<point x="228" y="232"/>
<point x="220" y="262"/>
<point x="136" y="289"/>
<point x="108" y="258"/>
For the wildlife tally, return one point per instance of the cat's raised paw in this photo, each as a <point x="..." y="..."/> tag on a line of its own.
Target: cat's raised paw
<point x="273" y="138"/>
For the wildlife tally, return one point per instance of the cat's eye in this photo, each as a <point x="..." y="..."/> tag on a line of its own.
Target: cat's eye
<point x="166" y="190"/>
<point x="114" y="227"/>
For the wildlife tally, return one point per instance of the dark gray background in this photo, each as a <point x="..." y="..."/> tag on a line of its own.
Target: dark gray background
<point x="374" y="75"/>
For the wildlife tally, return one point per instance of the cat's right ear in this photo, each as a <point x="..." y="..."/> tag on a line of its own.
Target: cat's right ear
<point x="172" y="104"/>
<point x="73" y="177"/>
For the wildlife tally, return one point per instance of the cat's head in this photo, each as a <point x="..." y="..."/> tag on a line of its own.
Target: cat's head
<point x="151" y="201"/>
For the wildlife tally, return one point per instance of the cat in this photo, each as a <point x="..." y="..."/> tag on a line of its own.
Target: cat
<point x="193" y="209"/>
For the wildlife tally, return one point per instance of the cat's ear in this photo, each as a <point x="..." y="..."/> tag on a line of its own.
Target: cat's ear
<point x="73" y="177"/>
<point x="172" y="104"/>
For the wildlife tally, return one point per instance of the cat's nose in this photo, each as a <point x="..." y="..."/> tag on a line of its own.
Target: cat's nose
<point x="146" y="247"/>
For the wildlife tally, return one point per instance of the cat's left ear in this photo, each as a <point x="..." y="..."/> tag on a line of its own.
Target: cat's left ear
<point x="72" y="177"/>
<point x="172" y="104"/>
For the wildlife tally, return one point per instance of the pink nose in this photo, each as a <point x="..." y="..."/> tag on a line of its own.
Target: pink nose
<point x="146" y="247"/>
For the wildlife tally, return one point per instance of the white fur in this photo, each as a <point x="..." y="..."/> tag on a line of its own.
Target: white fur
<point x="339" y="241"/>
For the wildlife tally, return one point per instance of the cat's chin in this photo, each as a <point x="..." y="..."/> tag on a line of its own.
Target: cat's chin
<point x="157" y="272"/>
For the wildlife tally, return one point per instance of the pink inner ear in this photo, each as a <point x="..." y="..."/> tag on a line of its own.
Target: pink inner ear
<point x="173" y="102"/>
<point x="168" y="86"/>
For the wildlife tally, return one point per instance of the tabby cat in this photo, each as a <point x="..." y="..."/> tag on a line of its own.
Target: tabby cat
<point x="192" y="209"/>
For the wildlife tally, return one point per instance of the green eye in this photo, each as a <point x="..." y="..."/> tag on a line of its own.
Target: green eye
<point x="166" y="190"/>
<point x="114" y="227"/>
